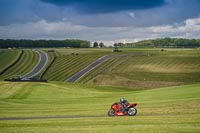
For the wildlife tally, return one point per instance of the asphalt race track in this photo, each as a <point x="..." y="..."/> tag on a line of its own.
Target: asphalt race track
<point x="42" y="62"/>
<point x="48" y="117"/>
<point x="88" y="68"/>
<point x="76" y="117"/>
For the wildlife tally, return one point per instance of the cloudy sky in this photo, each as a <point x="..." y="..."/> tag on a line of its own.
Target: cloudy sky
<point x="108" y="21"/>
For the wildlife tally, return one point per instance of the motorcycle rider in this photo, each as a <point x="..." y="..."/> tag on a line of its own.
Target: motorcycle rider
<point x="124" y="103"/>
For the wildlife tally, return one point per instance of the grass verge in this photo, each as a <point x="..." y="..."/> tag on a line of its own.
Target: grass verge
<point x="172" y="109"/>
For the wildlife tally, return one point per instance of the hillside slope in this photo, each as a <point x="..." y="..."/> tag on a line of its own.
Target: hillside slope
<point x="71" y="61"/>
<point x="7" y="57"/>
<point x="26" y="63"/>
<point x="173" y="109"/>
<point x="152" y="69"/>
<point x="158" y="69"/>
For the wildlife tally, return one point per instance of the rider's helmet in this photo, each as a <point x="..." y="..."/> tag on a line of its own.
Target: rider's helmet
<point x="122" y="100"/>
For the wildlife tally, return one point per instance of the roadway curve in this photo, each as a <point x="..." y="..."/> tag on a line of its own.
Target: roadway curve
<point x="42" y="62"/>
<point x="88" y="68"/>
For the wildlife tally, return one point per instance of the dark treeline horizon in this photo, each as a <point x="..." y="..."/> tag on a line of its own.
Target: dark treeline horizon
<point x="76" y="43"/>
<point x="73" y="43"/>
<point x="163" y="43"/>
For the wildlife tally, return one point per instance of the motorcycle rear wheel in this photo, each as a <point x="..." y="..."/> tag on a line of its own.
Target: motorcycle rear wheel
<point x="111" y="112"/>
<point x="132" y="111"/>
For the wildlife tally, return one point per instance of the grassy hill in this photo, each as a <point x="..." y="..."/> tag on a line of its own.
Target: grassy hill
<point x="172" y="109"/>
<point x="7" y="57"/>
<point x="65" y="107"/>
<point x="140" y="69"/>
<point x="26" y="63"/>
<point x="71" y="61"/>
<point x="146" y="68"/>
<point x="155" y="69"/>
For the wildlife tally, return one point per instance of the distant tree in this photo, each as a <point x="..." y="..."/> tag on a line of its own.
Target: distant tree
<point x="120" y="44"/>
<point x="95" y="44"/>
<point x="84" y="44"/>
<point x="101" y="44"/>
<point x="115" y="44"/>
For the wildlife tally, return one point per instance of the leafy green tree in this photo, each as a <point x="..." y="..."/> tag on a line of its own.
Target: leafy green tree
<point x="101" y="44"/>
<point x="95" y="44"/>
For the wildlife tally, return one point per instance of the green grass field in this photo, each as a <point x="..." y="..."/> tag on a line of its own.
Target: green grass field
<point x="67" y="64"/>
<point x="159" y="69"/>
<point x="7" y="57"/>
<point x="26" y="63"/>
<point x="166" y="86"/>
<point x="162" y="110"/>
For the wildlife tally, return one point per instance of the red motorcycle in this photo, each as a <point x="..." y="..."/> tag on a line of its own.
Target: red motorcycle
<point x="117" y="109"/>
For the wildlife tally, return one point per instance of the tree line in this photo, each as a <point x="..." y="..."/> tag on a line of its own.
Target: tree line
<point x="74" y="43"/>
<point x="163" y="43"/>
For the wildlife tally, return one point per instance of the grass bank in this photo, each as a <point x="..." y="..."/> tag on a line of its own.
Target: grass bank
<point x="172" y="109"/>
<point x="153" y="70"/>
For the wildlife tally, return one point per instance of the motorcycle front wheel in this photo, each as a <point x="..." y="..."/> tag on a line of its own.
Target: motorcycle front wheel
<point x="111" y="112"/>
<point x="132" y="111"/>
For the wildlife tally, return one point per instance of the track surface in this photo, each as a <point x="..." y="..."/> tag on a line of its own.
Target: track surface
<point x="42" y="62"/>
<point x="78" y="75"/>
<point x="75" y="117"/>
<point x="47" y="117"/>
<point x="88" y="68"/>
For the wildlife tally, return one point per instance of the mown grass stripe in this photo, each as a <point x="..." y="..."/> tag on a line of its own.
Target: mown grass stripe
<point x="67" y="65"/>
<point x="7" y="57"/>
<point x="23" y="66"/>
<point x="12" y="64"/>
<point x="42" y="75"/>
